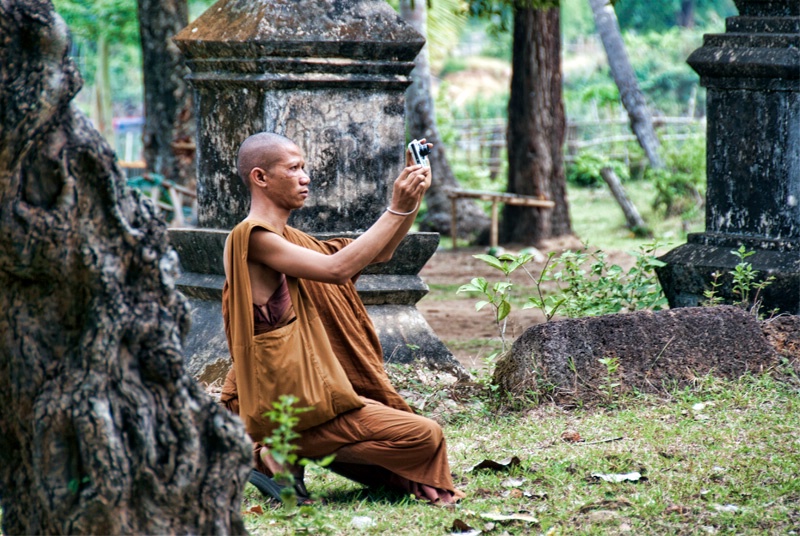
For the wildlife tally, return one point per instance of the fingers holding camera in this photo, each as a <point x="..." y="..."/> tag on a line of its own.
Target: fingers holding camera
<point x="424" y="181"/>
<point x="409" y="187"/>
<point x="419" y="179"/>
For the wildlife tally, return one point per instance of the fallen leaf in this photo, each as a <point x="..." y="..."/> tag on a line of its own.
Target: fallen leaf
<point x="601" y="516"/>
<point x="700" y="406"/>
<point x="462" y="529"/>
<point x="256" y="509"/>
<point x="483" y="493"/>
<point x="510" y="517"/>
<point x="541" y="495"/>
<point x="571" y="468"/>
<point x="512" y="482"/>
<point x="502" y="465"/>
<point x="726" y="508"/>
<point x="512" y="494"/>
<point x="633" y="476"/>
<point x="571" y="436"/>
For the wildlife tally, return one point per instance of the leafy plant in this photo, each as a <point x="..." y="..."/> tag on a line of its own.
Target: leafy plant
<point x="680" y="186"/>
<point x="711" y="295"/>
<point x="605" y="289"/>
<point x="497" y="295"/>
<point x="744" y="282"/>
<point x="600" y="289"/>
<point x="610" y="383"/>
<point x="285" y="415"/>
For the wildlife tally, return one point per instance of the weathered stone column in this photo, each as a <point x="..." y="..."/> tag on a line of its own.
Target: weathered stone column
<point x="752" y="73"/>
<point x="330" y="75"/>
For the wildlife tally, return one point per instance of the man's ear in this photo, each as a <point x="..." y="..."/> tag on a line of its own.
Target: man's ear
<point x="258" y="177"/>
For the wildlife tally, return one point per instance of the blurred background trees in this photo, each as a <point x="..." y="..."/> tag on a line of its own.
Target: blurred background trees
<point x="470" y="48"/>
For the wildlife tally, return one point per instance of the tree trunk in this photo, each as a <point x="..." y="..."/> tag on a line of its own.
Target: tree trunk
<point x="101" y="429"/>
<point x="421" y="123"/>
<point x="536" y="129"/>
<point x="686" y="14"/>
<point x="605" y="19"/>
<point x="633" y="219"/>
<point x="169" y="126"/>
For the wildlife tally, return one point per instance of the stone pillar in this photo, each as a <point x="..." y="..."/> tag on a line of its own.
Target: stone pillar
<point x="331" y="75"/>
<point x="752" y="74"/>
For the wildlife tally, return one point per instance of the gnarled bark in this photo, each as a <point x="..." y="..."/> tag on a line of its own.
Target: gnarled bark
<point x="101" y="429"/>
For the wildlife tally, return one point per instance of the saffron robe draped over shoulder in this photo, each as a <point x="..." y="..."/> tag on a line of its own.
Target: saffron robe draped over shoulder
<point x="296" y="359"/>
<point x="328" y="357"/>
<point x="380" y="442"/>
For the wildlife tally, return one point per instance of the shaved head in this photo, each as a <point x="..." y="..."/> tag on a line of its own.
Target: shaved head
<point x="260" y="150"/>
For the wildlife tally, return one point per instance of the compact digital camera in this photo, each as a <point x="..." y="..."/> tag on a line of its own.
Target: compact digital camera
<point x="419" y="152"/>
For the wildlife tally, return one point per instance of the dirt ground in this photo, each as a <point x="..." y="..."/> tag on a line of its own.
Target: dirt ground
<point x="472" y="335"/>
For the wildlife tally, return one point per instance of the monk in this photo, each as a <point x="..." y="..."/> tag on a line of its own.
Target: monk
<point x="296" y="325"/>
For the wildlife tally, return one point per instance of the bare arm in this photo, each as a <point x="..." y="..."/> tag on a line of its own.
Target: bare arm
<point x="296" y="261"/>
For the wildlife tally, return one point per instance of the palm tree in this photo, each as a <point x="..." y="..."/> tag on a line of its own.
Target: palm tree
<point x="605" y="19"/>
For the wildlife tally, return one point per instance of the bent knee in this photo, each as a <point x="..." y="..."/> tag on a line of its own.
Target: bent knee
<point x="428" y="433"/>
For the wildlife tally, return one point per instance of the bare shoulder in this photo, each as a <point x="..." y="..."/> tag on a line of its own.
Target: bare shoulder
<point x="261" y="238"/>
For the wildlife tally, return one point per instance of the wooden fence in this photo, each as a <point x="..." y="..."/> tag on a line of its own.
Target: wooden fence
<point x="482" y="142"/>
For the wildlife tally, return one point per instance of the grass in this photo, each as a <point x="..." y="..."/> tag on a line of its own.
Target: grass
<point x="598" y="220"/>
<point x="721" y="458"/>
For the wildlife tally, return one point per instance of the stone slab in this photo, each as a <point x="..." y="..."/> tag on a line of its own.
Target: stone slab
<point x="656" y="352"/>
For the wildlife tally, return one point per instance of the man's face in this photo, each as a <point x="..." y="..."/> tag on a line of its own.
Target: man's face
<point x="288" y="181"/>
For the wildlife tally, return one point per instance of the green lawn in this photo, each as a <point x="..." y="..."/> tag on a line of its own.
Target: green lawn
<point x="722" y="458"/>
<point x="598" y="220"/>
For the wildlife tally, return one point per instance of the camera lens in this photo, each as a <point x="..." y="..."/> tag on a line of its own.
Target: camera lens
<point x="424" y="150"/>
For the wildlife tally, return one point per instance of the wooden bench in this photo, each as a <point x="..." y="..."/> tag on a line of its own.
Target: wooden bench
<point x="495" y="198"/>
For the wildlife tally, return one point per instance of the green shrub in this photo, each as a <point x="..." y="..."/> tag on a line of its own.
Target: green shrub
<point x="585" y="170"/>
<point x="680" y="186"/>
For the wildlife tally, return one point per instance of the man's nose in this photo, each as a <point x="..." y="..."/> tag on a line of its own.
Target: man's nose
<point x="304" y="178"/>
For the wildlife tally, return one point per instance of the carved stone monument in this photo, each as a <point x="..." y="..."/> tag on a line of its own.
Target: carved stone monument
<point x="752" y="73"/>
<point x="331" y="76"/>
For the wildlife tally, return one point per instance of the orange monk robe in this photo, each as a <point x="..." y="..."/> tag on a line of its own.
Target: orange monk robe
<point x="400" y="448"/>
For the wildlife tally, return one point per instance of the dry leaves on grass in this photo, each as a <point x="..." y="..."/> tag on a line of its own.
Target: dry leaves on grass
<point x="491" y="465"/>
<point x="462" y="528"/>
